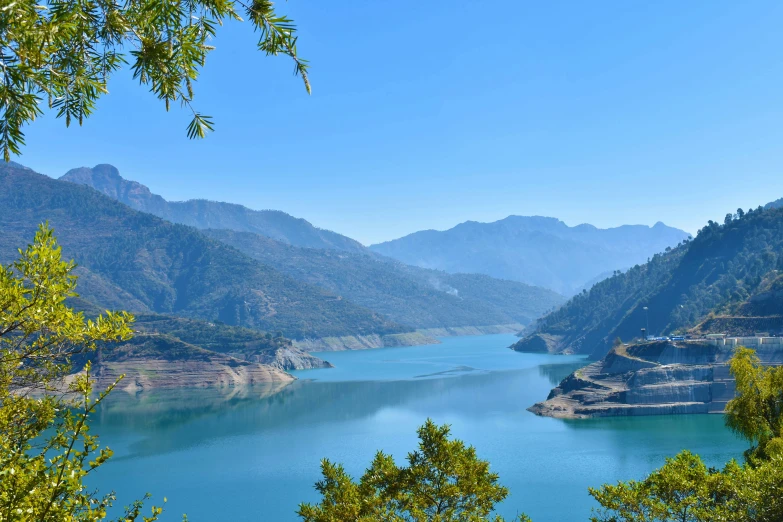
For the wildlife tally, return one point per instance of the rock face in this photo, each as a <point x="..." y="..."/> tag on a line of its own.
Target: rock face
<point x="161" y="361"/>
<point x="150" y="374"/>
<point x="651" y="379"/>
<point x="286" y="359"/>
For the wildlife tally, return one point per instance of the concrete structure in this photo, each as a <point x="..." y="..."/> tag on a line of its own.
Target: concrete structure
<point x="748" y="342"/>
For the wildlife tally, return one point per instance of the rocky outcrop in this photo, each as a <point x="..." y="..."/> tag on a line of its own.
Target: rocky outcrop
<point x="650" y="379"/>
<point x="159" y="361"/>
<point x="539" y="343"/>
<point x="285" y="358"/>
<point x="220" y="372"/>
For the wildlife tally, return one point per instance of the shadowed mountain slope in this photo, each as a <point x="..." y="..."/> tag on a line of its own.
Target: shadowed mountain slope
<point x="136" y="261"/>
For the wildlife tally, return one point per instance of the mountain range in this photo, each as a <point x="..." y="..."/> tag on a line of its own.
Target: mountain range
<point x="136" y="261"/>
<point x="540" y="251"/>
<point x="728" y="279"/>
<point x="410" y="296"/>
<point x="202" y="213"/>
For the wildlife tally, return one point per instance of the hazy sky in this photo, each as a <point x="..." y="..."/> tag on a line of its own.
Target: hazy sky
<point x="427" y="114"/>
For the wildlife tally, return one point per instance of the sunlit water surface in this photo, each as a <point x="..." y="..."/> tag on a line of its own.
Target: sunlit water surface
<point x="254" y="455"/>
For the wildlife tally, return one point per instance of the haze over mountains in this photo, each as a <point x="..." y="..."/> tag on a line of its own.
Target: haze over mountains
<point x="540" y="251"/>
<point x="406" y="294"/>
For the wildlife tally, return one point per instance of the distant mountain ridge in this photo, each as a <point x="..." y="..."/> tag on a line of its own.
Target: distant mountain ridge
<point x="203" y="214"/>
<point x="540" y="251"/>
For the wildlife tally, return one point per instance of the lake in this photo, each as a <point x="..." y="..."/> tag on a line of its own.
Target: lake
<point x="253" y="455"/>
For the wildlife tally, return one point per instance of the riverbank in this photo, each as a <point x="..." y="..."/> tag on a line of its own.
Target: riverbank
<point x="420" y="337"/>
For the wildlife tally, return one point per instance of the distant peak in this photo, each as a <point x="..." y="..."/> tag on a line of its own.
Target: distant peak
<point x="532" y="219"/>
<point x="105" y="178"/>
<point x="102" y="170"/>
<point x="108" y="169"/>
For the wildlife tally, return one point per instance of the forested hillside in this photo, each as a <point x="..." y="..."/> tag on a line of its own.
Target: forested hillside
<point x="136" y="261"/>
<point x="408" y="295"/>
<point x="727" y="277"/>
<point x="202" y="213"/>
<point x="535" y="250"/>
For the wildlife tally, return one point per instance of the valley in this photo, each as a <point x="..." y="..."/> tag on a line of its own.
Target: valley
<point x="478" y="265"/>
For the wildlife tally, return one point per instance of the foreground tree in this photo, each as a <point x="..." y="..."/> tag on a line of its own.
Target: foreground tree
<point x="685" y="490"/>
<point x="63" y="52"/>
<point x="756" y="413"/>
<point x="45" y="446"/>
<point x="444" y="481"/>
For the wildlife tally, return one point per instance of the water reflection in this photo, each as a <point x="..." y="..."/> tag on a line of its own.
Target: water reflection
<point x="557" y="372"/>
<point x="178" y="419"/>
<point x="262" y="446"/>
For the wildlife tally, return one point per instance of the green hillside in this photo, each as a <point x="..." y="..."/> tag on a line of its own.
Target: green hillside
<point x="727" y="276"/>
<point x="408" y="295"/>
<point x="139" y="262"/>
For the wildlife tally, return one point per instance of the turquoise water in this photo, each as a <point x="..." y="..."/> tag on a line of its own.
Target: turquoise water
<point x="253" y="456"/>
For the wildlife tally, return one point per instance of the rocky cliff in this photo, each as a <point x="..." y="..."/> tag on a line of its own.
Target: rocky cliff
<point x="161" y="361"/>
<point x="652" y="379"/>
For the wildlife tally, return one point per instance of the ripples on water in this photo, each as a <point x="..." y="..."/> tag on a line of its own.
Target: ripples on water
<point x="253" y="454"/>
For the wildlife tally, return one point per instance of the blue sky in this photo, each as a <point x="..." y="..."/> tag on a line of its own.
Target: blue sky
<point x="427" y="114"/>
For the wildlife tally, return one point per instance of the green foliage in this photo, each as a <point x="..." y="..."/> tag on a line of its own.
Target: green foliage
<point x="756" y="412"/>
<point x="65" y="51"/>
<point x="716" y="273"/>
<point x="683" y="490"/>
<point x="444" y="481"/>
<point x="38" y="332"/>
<point x="46" y="450"/>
